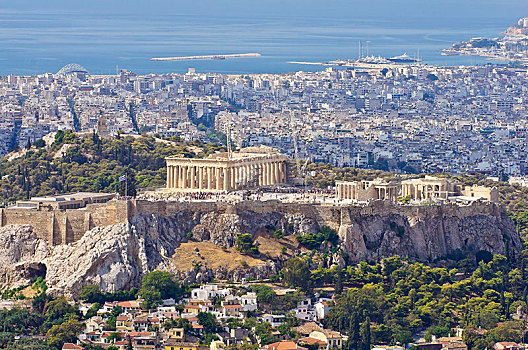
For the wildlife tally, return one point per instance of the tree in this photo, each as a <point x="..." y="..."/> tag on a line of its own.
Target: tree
<point x="353" y="342"/>
<point x="92" y="311"/>
<point x="66" y="332"/>
<point x="339" y="282"/>
<point x="296" y="273"/>
<point x="264" y="293"/>
<point x="39" y="143"/>
<point x="432" y="77"/>
<point x="113" y="337"/>
<point x="91" y="294"/>
<point x="59" y="310"/>
<point x="28" y="343"/>
<point x="244" y="244"/>
<point x="159" y="285"/>
<point x="208" y="321"/>
<point x="365" y="335"/>
<point x="129" y="343"/>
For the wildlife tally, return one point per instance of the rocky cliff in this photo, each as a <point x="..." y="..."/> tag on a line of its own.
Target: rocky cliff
<point x="118" y="256"/>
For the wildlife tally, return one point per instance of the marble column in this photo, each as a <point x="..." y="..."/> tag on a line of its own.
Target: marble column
<point x="209" y="178"/>
<point x="184" y="176"/>
<point x="232" y="177"/>
<point x="191" y="177"/>
<point x="200" y="177"/>
<point x="226" y="179"/>
<point x="175" y="177"/>
<point x="264" y="174"/>
<point x="247" y="175"/>
<point x="239" y="176"/>
<point x="217" y="178"/>
<point x="179" y="176"/>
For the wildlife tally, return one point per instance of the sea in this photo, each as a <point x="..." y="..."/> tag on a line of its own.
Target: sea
<point x="106" y="36"/>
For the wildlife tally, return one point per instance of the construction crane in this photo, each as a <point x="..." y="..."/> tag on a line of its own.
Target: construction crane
<point x="300" y="171"/>
<point x="296" y="151"/>
<point x="229" y="148"/>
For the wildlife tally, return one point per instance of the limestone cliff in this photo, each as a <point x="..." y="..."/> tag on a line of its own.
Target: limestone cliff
<point x="21" y="253"/>
<point x="118" y="256"/>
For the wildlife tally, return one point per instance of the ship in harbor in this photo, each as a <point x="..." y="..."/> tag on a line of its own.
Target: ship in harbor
<point x="404" y="59"/>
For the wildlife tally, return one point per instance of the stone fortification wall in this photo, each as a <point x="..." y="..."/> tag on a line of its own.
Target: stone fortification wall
<point x="380" y="228"/>
<point x="329" y="215"/>
<point x="143" y="236"/>
<point x="66" y="226"/>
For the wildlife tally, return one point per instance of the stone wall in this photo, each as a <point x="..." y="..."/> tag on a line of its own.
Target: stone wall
<point x="63" y="227"/>
<point x="66" y="226"/>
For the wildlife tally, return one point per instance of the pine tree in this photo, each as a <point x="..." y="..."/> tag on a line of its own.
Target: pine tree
<point x="339" y="283"/>
<point x="129" y="344"/>
<point x="353" y="332"/>
<point x="365" y="336"/>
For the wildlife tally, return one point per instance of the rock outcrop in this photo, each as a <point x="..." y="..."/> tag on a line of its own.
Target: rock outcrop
<point x="118" y="256"/>
<point x="21" y="253"/>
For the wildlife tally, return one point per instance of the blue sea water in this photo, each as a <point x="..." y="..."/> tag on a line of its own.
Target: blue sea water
<point x="37" y="37"/>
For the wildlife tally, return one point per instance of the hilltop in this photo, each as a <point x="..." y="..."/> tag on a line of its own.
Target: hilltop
<point x="73" y="162"/>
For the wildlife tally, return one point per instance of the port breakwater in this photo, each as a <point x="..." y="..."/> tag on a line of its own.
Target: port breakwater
<point x="207" y="57"/>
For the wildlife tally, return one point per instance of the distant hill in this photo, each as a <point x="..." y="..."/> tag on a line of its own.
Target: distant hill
<point x="74" y="163"/>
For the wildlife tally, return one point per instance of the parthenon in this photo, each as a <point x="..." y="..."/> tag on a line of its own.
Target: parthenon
<point x="251" y="167"/>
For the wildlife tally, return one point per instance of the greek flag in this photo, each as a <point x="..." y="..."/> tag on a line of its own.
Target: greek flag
<point x="122" y="178"/>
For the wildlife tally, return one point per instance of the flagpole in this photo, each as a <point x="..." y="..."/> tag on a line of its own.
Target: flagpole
<point x="126" y="187"/>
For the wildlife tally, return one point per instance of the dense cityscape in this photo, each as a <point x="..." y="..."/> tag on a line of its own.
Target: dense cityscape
<point x="364" y="204"/>
<point x="415" y="118"/>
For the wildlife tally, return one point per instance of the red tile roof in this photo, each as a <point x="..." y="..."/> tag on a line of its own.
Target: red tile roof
<point x="310" y="340"/>
<point x="284" y="345"/>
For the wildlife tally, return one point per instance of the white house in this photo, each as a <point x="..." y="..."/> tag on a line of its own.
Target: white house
<point x="322" y="309"/>
<point x="249" y="301"/>
<point x="274" y="320"/>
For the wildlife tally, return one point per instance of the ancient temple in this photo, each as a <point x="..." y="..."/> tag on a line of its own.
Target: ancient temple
<point x="249" y="168"/>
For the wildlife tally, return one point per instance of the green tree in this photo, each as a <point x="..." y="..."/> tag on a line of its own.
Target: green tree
<point x="66" y="332"/>
<point x="264" y="293"/>
<point x="339" y="282"/>
<point x="59" y="310"/>
<point x="296" y="273"/>
<point x="113" y="337"/>
<point x="159" y="285"/>
<point x="365" y="335"/>
<point x="92" y="294"/>
<point x="208" y="321"/>
<point x="244" y="244"/>
<point x="353" y="342"/>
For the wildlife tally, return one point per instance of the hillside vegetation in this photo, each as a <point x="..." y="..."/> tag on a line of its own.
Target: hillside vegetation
<point x="73" y="163"/>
